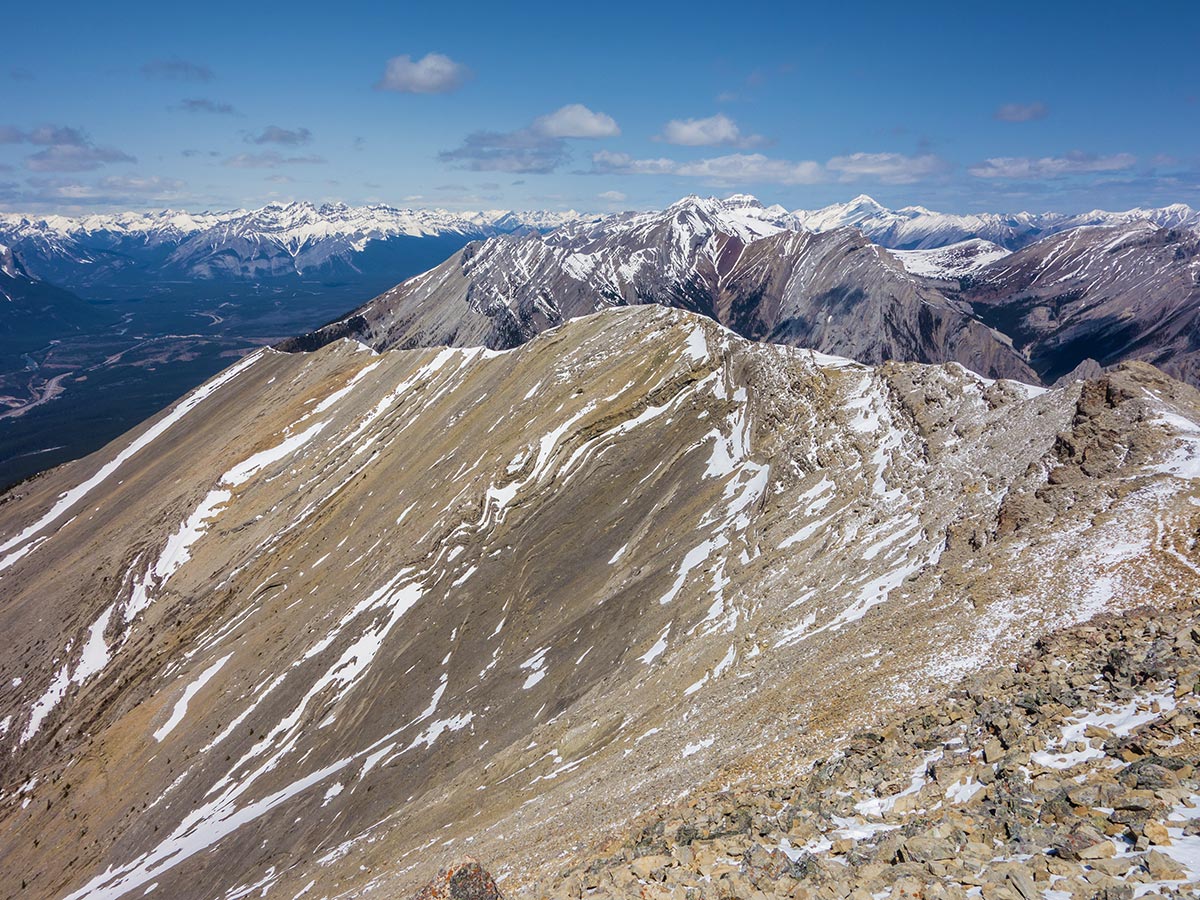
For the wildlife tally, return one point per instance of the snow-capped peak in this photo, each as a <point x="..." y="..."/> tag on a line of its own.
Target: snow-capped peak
<point x="742" y="215"/>
<point x="8" y="263"/>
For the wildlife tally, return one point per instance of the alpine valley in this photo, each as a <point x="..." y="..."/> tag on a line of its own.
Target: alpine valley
<point x="705" y="553"/>
<point x="147" y="306"/>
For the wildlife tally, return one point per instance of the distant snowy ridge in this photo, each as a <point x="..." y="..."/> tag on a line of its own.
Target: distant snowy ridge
<point x="277" y="240"/>
<point x="952" y="261"/>
<point x="290" y="221"/>
<point x="918" y="228"/>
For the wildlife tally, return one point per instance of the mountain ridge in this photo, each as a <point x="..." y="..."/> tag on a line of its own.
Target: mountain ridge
<point x="300" y="237"/>
<point x="735" y="261"/>
<point x="493" y="581"/>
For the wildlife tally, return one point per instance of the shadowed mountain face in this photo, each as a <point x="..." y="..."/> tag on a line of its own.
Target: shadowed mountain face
<point x="733" y="261"/>
<point x="33" y="312"/>
<point x="1104" y="294"/>
<point x="1095" y="295"/>
<point x="337" y="616"/>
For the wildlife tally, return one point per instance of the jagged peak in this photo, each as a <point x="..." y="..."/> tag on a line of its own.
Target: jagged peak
<point x="865" y="201"/>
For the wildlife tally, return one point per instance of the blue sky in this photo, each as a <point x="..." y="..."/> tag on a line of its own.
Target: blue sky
<point x="598" y="106"/>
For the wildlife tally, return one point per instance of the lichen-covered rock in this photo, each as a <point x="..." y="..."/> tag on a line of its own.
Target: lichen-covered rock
<point x="464" y="880"/>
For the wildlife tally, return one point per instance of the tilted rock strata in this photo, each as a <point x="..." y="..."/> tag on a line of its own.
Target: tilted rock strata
<point x="1107" y="294"/>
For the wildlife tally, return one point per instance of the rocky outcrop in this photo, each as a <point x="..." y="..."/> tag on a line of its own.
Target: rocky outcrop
<point x="465" y="879"/>
<point x="1072" y="774"/>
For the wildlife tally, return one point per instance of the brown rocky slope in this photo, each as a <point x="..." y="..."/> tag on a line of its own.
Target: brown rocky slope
<point x="1071" y="775"/>
<point x="338" y="615"/>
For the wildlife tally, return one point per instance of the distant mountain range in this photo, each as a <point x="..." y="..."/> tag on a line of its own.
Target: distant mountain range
<point x="290" y="241"/>
<point x="278" y="241"/>
<point x="1094" y="295"/>
<point x="917" y="228"/>
<point x="110" y="317"/>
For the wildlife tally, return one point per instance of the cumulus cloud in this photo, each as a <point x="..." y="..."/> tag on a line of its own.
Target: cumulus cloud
<point x="515" y="151"/>
<point x="714" y="131"/>
<point x="889" y="168"/>
<point x="204" y="105"/>
<point x="730" y="169"/>
<point x="1021" y="112"/>
<point x="113" y="189"/>
<point x="749" y="168"/>
<point x="1073" y="163"/>
<point x="64" y="149"/>
<point x="175" y="69"/>
<point x="434" y="73"/>
<point x="273" y="134"/>
<point x="576" y="121"/>
<point x="269" y="160"/>
<point x="608" y="162"/>
<point x="537" y="149"/>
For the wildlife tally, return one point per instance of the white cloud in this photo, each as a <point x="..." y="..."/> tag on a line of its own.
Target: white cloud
<point x="711" y="132"/>
<point x="889" y="168"/>
<point x="730" y="169"/>
<point x="539" y="148"/>
<point x="434" y="73"/>
<point x="1021" y="112"/>
<point x="576" y="121"/>
<point x="612" y="196"/>
<point x="269" y="160"/>
<point x="751" y="167"/>
<point x="1074" y="163"/>
<point x="605" y="161"/>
